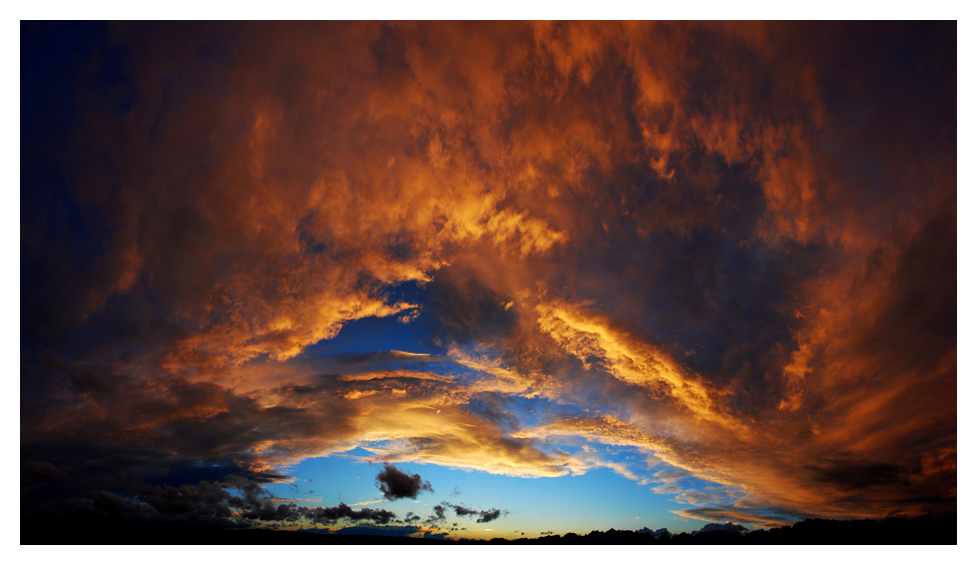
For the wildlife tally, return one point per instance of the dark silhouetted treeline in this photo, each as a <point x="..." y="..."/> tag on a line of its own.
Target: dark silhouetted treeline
<point x="891" y="531"/>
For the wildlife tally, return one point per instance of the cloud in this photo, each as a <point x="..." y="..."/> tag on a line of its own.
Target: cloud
<point x="395" y="484"/>
<point x="209" y="503"/>
<point x="208" y="499"/>
<point x="698" y="498"/>
<point x="366" y="502"/>
<point x="437" y="516"/>
<point x="331" y="514"/>
<point x="484" y="516"/>
<point x="708" y="243"/>
<point x="769" y="517"/>
<point x="595" y="339"/>
<point x="461" y="510"/>
<point x="45" y="471"/>
<point x="490" y="515"/>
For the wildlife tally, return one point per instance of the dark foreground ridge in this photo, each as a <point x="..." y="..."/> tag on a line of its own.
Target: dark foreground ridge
<point x="923" y="530"/>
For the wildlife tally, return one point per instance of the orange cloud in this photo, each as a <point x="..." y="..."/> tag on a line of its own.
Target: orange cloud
<point x="718" y="244"/>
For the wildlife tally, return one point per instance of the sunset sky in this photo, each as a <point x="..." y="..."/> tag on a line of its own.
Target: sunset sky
<point x="573" y="276"/>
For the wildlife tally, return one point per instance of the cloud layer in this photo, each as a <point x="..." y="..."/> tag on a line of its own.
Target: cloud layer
<point x="729" y="248"/>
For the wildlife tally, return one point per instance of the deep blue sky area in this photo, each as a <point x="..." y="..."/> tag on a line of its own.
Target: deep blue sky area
<point x="568" y="504"/>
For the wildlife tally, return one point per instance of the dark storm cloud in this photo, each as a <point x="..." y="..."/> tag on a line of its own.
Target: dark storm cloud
<point x="395" y="483"/>
<point x="193" y="502"/>
<point x="96" y="465"/>
<point x="258" y="507"/>
<point x="181" y="432"/>
<point x="108" y="506"/>
<point x="466" y="308"/>
<point x="919" y="322"/>
<point x="858" y="475"/>
<point x="907" y="482"/>
<point x="197" y="420"/>
<point x="44" y="470"/>
<point x="208" y="503"/>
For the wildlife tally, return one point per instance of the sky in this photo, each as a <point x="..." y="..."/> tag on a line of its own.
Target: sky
<point x="487" y="279"/>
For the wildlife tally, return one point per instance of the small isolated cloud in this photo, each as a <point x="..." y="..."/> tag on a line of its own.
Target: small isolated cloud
<point x="395" y="483"/>
<point x="489" y="515"/>
<point x="461" y="510"/>
<point x="484" y="516"/>
<point x="366" y="502"/>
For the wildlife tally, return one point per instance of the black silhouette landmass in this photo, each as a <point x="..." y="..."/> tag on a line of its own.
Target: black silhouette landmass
<point x="922" y="530"/>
